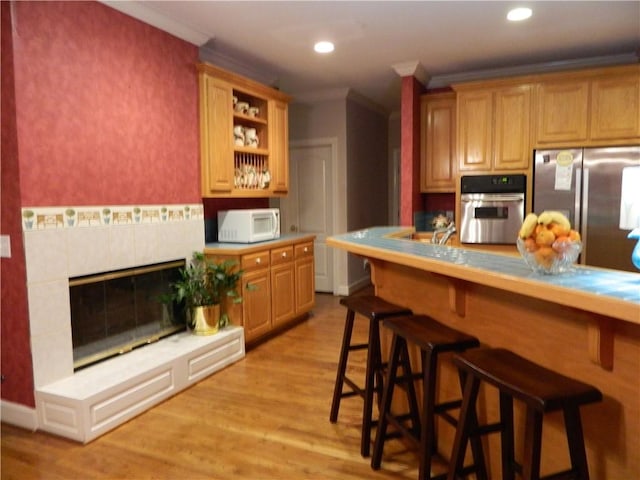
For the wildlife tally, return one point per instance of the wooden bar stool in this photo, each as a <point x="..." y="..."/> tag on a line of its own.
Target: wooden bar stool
<point x="433" y="338"/>
<point x="375" y="309"/>
<point x="541" y="390"/>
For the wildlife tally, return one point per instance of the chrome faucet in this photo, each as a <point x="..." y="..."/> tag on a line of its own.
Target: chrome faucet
<point x="444" y="233"/>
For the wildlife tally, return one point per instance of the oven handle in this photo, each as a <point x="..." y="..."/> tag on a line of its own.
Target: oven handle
<point x="491" y="197"/>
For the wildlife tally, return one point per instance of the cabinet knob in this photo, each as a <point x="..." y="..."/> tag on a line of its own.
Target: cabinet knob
<point x="258" y="260"/>
<point x="284" y="254"/>
<point x="306" y="249"/>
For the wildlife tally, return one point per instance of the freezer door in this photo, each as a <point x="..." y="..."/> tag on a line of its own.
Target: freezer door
<point x="557" y="182"/>
<point x="605" y="244"/>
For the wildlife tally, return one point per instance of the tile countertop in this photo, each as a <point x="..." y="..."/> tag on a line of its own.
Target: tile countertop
<point x="611" y="293"/>
<point x="221" y="248"/>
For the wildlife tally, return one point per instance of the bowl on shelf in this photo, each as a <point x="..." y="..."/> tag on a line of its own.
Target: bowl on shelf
<point x="552" y="260"/>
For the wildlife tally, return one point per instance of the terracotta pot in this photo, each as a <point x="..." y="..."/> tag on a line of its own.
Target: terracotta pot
<point x="204" y="320"/>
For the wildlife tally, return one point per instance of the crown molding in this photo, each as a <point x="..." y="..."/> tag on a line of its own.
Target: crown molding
<point x="145" y="14"/>
<point x="438" y="81"/>
<point x="412" y="69"/>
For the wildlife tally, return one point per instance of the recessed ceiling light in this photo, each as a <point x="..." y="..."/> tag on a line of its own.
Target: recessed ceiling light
<point x="519" y="14"/>
<point x="323" y="47"/>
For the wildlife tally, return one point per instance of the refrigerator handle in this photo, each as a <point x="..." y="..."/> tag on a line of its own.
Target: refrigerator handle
<point x="584" y="214"/>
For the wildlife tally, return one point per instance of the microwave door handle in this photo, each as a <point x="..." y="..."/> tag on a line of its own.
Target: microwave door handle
<point x="276" y="223"/>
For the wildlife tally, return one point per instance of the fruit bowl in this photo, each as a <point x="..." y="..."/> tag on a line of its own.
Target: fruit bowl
<point x="550" y="260"/>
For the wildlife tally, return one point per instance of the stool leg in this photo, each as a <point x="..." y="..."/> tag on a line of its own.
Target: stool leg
<point x="575" y="438"/>
<point x="342" y="365"/>
<point x="465" y="424"/>
<point x="532" y="445"/>
<point x="412" y="397"/>
<point x="373" y="366"/>
<point x="428" y="444"/>
<point x="387" y="396"/>
<point x="506" y="437"/>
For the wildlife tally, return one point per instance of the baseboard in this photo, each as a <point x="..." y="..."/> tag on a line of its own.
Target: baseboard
<point x="19" y="415"/>
<point x="346" y="290"/>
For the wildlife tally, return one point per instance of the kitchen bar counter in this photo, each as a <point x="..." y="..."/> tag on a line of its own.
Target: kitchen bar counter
<point x="585" y="324"/>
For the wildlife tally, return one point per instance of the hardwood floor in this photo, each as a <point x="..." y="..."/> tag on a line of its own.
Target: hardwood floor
<point x="265" y="417"/>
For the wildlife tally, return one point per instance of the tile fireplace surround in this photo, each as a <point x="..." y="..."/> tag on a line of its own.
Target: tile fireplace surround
<point x="64" y="242"/>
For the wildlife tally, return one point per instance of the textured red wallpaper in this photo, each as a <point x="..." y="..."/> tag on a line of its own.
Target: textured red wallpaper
<point x="17" y="383"/>
<point x="107" y="108"/>
<point x="410" y="197"/>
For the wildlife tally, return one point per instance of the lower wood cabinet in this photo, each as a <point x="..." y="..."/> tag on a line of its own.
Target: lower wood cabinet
<point x="278" y="285"/>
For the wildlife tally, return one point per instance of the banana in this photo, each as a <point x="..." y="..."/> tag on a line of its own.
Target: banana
<point x="548" y="216"/>
<point x="560" y="219"/>
<point x="528" y="225"/>
<point x="545" y="218"/>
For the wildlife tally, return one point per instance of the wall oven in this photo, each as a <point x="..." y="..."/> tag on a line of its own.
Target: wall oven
<point x="491" y="208"/>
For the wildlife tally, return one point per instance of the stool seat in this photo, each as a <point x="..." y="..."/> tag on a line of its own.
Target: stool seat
<point x="541" y="390"/>
<point x="433" y="338"/>
<point x="536" y="386"/>
<point x="374" y="309"/>
<point x="431" y="335"/>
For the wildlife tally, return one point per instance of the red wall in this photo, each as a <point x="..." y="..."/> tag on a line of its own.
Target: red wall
<point x="106" y="112"/>
<point x="107" y="108"/>
<point x="17" y="384"/>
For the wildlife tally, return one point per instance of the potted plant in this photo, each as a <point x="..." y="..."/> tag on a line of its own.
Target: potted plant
<point x="204" y="289"/>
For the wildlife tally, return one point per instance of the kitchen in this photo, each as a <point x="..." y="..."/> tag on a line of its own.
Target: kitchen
<point x="118" y="191"/>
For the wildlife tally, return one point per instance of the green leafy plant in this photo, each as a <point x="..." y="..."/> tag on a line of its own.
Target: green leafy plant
<point x="204" y="282"/>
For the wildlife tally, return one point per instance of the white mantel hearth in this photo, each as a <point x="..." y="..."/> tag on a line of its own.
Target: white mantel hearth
<point x="65" y="242"/>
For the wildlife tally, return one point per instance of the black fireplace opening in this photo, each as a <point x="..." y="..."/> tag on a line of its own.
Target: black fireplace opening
<point x="114" y="312"/>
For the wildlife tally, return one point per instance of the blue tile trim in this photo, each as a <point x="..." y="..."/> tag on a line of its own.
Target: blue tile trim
<point x="607" y="283"/>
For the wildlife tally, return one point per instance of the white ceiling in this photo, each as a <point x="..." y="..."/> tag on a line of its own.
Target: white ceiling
<point x="447" y="39"/>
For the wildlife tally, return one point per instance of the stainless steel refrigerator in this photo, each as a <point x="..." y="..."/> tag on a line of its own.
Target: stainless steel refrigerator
<point x="585" y="184"/>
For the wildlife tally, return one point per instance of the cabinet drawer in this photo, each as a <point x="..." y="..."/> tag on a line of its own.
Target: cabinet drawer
<point x="304" y="250"/>
<point x="255" y="260"/>
<point x="281" y="255"/>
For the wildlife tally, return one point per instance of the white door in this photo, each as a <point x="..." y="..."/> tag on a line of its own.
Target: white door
<point x="309" y="206"/>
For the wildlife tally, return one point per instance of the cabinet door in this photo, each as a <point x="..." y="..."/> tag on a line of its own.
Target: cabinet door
<point x="304" y="277"/>
<point x="256" y="303"/>
<point x="562" y="111"/>
<point x="438" y="161"/>
<point x="512" y="136"/>
<point x="475" y="117"/>
<point x="615" y="107"/>
<point x="279" y="146"/>
<point x="216" y="135"/>
<point x="283" y="306"/>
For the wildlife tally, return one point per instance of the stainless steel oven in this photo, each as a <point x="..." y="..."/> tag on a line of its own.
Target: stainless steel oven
<point x="492" y="208"/>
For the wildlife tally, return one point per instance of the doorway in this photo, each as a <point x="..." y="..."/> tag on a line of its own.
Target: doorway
<point x="309" y="206"/>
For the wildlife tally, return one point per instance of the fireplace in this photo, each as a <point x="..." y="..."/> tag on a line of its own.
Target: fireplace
<point x="114" y="312"/>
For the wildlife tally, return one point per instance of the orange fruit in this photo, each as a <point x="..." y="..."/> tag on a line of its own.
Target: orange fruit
<point x="562" y="243"/>
<point x="558" y="230"/>
<point x="545" y="237"/>
<point x="574" y="235"/>
<point x="544" y="256"/>
<point x="530" y="244"/>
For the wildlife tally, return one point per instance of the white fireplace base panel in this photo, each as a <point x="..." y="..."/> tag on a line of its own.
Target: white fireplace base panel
<point x="101" y="397"/>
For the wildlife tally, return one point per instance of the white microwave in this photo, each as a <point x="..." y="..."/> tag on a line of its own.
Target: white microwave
<point x="248" y="226"/>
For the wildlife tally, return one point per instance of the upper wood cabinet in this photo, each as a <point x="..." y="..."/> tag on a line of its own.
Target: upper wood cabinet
<point x="438" y="160"/>
<point x="589" y="107"/>
<point x="493" y="126"/>
<point x="231" y="165"/>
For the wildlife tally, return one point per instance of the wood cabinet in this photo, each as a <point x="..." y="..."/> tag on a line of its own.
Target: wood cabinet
<point x="304" y="277"/>
<point x="231" y="164"/>
<point x="277" y="284"/>
<point x="438" y="160"/>
<point x="493" y="127"/>
<point x="590" y="107"/>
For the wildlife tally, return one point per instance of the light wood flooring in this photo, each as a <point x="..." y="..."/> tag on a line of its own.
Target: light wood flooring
<point x="265" y="417"/>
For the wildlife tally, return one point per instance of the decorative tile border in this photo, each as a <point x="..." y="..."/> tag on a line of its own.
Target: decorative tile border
<point x="39" y="218"/>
